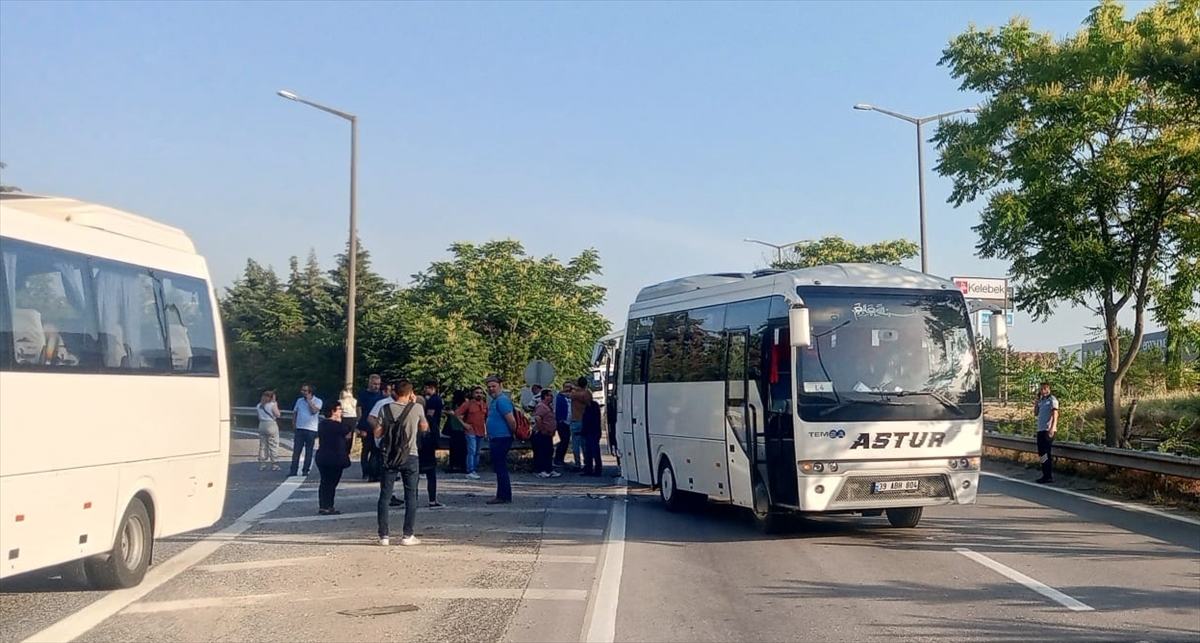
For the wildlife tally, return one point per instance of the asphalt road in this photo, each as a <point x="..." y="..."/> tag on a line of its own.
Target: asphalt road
<point x="574" y="559"/>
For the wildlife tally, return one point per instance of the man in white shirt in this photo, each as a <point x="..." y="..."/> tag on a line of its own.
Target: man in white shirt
<point x="308" y="416"/>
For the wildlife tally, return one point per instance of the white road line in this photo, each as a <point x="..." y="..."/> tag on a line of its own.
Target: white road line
<point x="71" y="627"/>
<point x="601" y="626"/>
<point x="1044" y="590"/>
<point x="1101" y="501"/>
<point x="258" y="564"/>
<point x="435" y="593"/>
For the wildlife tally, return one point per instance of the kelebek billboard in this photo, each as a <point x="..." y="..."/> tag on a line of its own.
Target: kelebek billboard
<point x="984" y="288"/>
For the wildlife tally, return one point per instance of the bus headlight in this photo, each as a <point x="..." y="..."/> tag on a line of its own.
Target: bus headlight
<point x="953" y="463"/>
<point x="818" y="467"/>
<point x="833" y="467"/>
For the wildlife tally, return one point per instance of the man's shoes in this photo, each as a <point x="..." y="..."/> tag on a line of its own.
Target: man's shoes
<point x="555" y="474"/>
<point x="409" y="541"/>
<point x="499" y="501"/>
<point x="436" y="505"/>
<point x="395" y="502"/>
<point x="473" y="476"/>
<point x="1044" y="480"/>
<point x="384" y="541"/>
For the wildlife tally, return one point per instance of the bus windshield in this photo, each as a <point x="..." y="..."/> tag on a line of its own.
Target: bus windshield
<point x="880" y="355"/>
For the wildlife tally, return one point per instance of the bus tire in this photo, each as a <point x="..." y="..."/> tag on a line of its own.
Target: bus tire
<point x="765" y="520"/>
<point x="904" y="516"/>
<point x="668" y="487"/>
<point x="126" y="564"/>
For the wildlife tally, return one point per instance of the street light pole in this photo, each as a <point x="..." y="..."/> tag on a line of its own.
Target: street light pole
<point x="920" y="160"/>
<point x="778" y="248"/>
<point x="352" y="260"/>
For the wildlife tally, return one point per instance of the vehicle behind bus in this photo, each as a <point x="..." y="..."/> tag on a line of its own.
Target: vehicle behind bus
<point x="114" y="429"/>
<point x="849" y="388"/>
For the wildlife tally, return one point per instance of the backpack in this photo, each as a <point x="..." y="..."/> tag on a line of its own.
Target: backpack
<point x="396" y="437"/>
<point x="523" y="430"/>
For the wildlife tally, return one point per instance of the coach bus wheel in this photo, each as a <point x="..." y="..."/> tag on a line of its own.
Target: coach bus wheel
<point x="668" y="489"/>
<point x="126" y="564"/>
<point x="904" y="517"/>
<point x="765" y="520"/>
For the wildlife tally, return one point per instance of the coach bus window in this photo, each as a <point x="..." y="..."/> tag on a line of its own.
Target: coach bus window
<point x="886" y="355"/>
<point x="190" y="331"/>
<point x="49" y="303"/>
<point x="666" y="357"/>
<point x="132" y="327"/>
<point x="704" y="354"/>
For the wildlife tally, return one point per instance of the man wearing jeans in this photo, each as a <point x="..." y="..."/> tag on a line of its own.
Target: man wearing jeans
<point x="308" y="416"/>
<point x="397" y="421"/>
<point x="473" y="414"/>
<point x="501" y="423"/>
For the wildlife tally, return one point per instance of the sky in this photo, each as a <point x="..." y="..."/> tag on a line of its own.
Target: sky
<point x="661" y="134"/>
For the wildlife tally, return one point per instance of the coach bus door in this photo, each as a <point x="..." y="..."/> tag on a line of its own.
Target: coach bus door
<point x="639" y="422"/>
<point x="741" y="418"/>
<point x="779" y="434"/>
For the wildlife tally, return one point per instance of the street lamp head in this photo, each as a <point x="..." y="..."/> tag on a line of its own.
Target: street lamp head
<point x="864" y="106"/>
<point x="288" y="95"/>
<point x="973" y="110"/>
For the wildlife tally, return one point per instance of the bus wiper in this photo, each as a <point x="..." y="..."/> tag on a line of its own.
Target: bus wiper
<point x="844" y="403"/>
<point x="946" y="402"/>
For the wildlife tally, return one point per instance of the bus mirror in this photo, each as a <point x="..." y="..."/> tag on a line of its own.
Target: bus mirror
<point x="800" y="332"/>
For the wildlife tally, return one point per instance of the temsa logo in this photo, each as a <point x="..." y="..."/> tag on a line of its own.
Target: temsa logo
<point x="916" y="440"/>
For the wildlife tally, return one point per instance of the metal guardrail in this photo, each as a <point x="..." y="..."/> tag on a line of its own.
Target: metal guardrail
<point x="1160" y="463"/>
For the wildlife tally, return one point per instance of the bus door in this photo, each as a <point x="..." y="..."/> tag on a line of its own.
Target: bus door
<point x="638" y="438"/>
<point x="740" y="417"/>
<point x="780" y="436"/>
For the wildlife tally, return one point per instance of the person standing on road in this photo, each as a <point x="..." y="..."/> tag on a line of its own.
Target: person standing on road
<point x="544" y="427"/>
<point x="1046" y="409"/>
<point x="333" y="456"/>
<point x="427" y="449"/>
<point x="581" y="397"/>
<point x="366" y="401"/>
<point x="268" y="431"/>
<point x="473" y="414"/>
<point x="591" y="440"/>
<point x="562" y="415"/>
<point x="501" y="426"/>
<point x="307" y="408"/>
<point x="397" y="421"/>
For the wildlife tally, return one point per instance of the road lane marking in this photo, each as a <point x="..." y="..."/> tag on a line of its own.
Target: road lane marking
<point x="434" y="593"/>
<point x="601" y="624"/>
<point x="1102" y="501"/>
<point x="258" y="564"/>
<point x="79" y="623"/>
<point x="1037" y="586"/>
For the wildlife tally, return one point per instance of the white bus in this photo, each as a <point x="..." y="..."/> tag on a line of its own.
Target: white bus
<point x="114" y="398"/>
<point x="846" y="388"/>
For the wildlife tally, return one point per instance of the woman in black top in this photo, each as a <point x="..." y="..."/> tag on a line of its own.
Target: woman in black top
<point x="333" y="455"/>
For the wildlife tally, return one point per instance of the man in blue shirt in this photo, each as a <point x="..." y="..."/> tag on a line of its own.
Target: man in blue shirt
<point x="1046" y="409"/>
<point x="501" y="424"/>
<point x="367" y="399"/>
<point x="562" y="414"/>
<point x="308" y="409"/>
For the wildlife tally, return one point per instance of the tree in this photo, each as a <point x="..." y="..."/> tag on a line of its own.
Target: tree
<point x="261" y="320"/>
<point x="1090" y="167"/>
<point x="838" y="250"/>
<point x="312" y="288"/>
<point x="521" y="307"/>
<point x="7" y="188"/>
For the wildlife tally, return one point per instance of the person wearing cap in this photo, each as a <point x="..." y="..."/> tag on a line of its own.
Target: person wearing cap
<point x="501" y="425"/>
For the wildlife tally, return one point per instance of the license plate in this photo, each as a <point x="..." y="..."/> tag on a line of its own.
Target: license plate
<point x="897" y="485"/>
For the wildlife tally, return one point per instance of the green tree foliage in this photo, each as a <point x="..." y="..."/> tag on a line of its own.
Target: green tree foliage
<point x="835" y="249"/>
<point x="7" y="188"/>
<point x="521" y="307"/>
<point x="1089" y="164"/>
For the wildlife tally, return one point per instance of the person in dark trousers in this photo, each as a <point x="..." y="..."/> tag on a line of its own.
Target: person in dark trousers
<point x="562" y="415"/>
<point x="333" y="455"/>
<point x="427" y="448"/>
<point x="367" y="399"/>
<point x="1046" y="409"/>
<point x="592" y="428"/>
<point x="397" y="422"/>
<point x="457" y="433"/>
<point x="307" y="410"/>
<point x="544" y="427"/>
<point x="501" y="423"/>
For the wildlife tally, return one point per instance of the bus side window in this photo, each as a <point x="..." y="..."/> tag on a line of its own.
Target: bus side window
<point x="48" y="302"/>
<point x="130" y="322"/>
<point x="190" y="331"/>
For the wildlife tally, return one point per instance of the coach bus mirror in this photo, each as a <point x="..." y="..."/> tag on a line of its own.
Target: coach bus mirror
<point x="799" y="330"/>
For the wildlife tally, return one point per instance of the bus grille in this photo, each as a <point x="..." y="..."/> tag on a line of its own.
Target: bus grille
<point x="858" y="489"/>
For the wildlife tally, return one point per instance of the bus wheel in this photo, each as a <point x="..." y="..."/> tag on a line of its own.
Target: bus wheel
<point x="904" y="517"/>
<point x="668" y="489"/>
<point x="126" y="564"/>
<point x="765" y="520"/>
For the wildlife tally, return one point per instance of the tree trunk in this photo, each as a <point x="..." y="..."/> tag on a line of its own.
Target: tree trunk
<point x="1112" y="408"/>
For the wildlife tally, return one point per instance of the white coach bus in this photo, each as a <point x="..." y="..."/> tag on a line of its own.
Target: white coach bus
<point x="114" y="398"/>
<point x="846" y="388"/>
